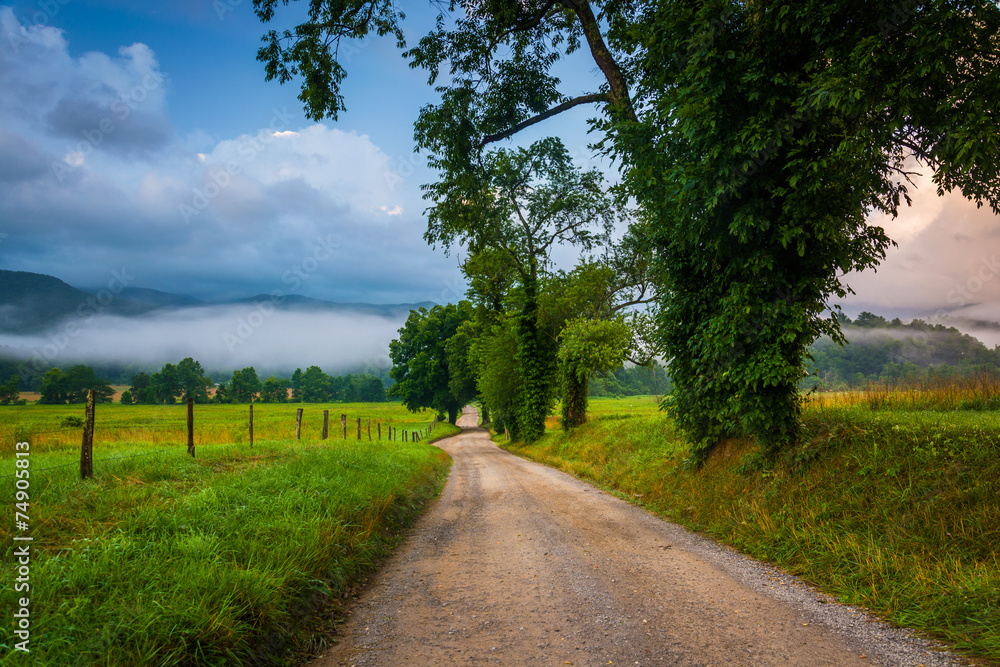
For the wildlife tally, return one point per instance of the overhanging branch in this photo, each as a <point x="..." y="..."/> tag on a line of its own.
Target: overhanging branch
<point x="559" y="108"/>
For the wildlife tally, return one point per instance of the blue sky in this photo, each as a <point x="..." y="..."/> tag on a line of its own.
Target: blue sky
<point x="210" y="181"/>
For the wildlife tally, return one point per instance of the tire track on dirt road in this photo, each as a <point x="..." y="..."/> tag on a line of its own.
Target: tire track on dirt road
<point x="520" y="564"/>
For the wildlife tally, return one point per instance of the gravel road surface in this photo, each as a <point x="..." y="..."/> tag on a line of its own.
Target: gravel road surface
<point x="520" y="564"/>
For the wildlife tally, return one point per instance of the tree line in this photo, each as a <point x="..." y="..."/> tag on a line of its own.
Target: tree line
<point x="882" y="350"/>
<point x="187" y="379"/>
<point x="174" y="383"/>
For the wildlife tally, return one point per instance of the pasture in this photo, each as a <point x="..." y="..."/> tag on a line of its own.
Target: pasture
<point x="228" y="557"/>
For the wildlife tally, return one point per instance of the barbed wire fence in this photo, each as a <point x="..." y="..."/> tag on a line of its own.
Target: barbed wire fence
<point x="359" y="428"/>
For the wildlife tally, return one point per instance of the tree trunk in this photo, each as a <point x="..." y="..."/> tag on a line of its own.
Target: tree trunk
<point x="535" y="360"/>
<point x="574" y="407"/>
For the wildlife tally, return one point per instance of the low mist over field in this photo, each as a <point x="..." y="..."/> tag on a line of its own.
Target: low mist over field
<point x="221" y="338"/>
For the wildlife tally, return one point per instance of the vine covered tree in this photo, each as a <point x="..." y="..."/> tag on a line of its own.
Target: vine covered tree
<point x="523" y="203"/>
<point x="588" y="347"/>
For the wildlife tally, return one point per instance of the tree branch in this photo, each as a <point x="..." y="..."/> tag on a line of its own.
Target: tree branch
<point x="602" y="56"/>
<point x="565" y="106"/>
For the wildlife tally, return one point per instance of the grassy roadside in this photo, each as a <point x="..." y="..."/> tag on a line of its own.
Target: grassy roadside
<point x="233" y="557"/>
<point x="895" y="511"/>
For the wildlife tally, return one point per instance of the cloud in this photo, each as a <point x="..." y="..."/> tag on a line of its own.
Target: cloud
<point x="948" y="257"/>
<point x="20" y="158"/>
<point x="93" y="176"/>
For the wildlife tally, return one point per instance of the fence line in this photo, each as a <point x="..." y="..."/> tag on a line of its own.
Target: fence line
<point x="91" y="425"/>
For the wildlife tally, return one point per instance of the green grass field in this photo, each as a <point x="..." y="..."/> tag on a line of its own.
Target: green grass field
<point x="897" y="511"/>
<point x="232" y="557"/>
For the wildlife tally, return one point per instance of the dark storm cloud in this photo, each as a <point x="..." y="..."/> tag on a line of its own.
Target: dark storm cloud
<point x="20" y="159"/>
<point x="113" y="127"/>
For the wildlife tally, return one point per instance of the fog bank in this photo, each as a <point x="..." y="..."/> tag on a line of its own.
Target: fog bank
<point x="222" y="338"/>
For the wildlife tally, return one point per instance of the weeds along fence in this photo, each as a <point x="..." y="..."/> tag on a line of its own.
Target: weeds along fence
<point x="979" y="391"/>
<point x="360" y="428"/>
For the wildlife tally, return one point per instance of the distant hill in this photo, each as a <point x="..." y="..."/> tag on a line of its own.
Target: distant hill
<point x="160" y="299"/>
<point x="33" y="302"/>
<point x="297" y="302"/>
<point x="881" y="349"/>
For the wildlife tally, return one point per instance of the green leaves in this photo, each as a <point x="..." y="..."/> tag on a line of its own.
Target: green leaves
<point x="588" y="347"/>
<point x="420" y="359"/>
<point x="804" y="113"/>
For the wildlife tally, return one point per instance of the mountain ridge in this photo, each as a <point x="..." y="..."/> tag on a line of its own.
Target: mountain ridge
<point x="32" y="303"/>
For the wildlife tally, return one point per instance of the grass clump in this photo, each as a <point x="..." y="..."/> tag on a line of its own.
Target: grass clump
<point x="897" y="511"/>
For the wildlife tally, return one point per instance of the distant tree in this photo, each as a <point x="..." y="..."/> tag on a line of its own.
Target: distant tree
<point x="369" y="389"/>
<point x="81" y="378"/>
<point x="871" y="320"/>
<point x="498" y="375"/>
<point x="140" y="389"/>
<point x="315" y="386"/>
<point x="71" y="386"/>
<point x="53" y="392"/>
<point x="126" y="398"/>
<point x="10" y="391"/>
<point x="420" y="361"/>
<point x="193" y="381"/>
<point x="296" y="385"/>
<point x="245" y="386"/>
<point x="340" y="388"/>
<point x="461" y="372"/>
<point x="165" y="385"/>
<point x="274" y="390"/>
<point x="223" y="393"/>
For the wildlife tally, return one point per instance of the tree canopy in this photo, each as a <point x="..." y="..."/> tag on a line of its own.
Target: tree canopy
<point x="420" y="360"/>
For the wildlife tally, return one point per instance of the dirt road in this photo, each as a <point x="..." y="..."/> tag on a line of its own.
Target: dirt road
<point x="519" y="564"/>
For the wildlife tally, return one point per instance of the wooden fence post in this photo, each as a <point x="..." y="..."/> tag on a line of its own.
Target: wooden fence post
<point x="87" y="445"/>
<point x="251" y="426"/>
<point x="359" y="428"/>
<point x="326" y="424"/>
<point x="369" y="430"/>
<point x="298" y="423"/>
<point x="190" y="403"/>
<point x="378" y="427"/>
<point x="343" y="425"/>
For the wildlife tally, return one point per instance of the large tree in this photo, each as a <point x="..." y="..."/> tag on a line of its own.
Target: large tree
<point x="758" y="136"/>
<point x="523" y="202"/>
<point x="71" y="386"/>
<point x="420" y="363"/>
